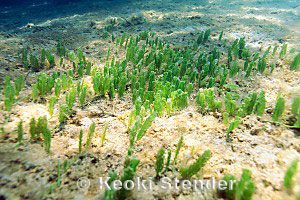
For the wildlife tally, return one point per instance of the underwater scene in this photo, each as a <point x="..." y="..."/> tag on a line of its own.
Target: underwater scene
<point x="150" y="99"/>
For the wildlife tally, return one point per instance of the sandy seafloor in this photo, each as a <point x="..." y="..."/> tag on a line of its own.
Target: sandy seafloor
<point x="265" y="149"/>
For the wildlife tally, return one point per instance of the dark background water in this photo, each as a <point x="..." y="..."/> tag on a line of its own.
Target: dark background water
<point x="15" y="14"/>
<point x="30" y="2"/>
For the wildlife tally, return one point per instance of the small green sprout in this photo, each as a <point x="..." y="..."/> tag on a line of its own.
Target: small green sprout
<point x="260" y="104"/>
<point x="90" y="136"/>
<point x="189" y="171"/>
<point x="296" y="111"/>
<point x="19" y="84"/>
<point x="279" y="108"/>
<point x="47" y="139"/>
<point x="221" y="36"/>
<point x="242" y="189"/>
<point x="57" y="87"/>
<point x="34" y="92"/>
<point x="51" y="104"/>
<point x="139" y="129"/>
<point x="245" y="188"/>
<point x="80" y="141"/>
<point x="226" y="118"/>
<point x="248" y="104"/>
<point x="43" y="57"/>
<point x="129" y="173"/>
<point x="34" y="63"/>
<point x="290" y="175"/>
<point x="59" y="174"/>
<point x="234" y="69"/>
<point x="24" y="57"/>
<point x="168" y="163"/>
<point x="229" y="192"/>
<point x="179" y="145"/>
<point x="233" y="125"/>
<point x="41" y="125"/>
<point x="103" y="136"/>
<point x="9" y="94"/>
<point x="283" y="51"/>
<point x="70" y="98"/>
<point x="20" y="132"/>
<point x="200" y="100"/>
<point x="32" y="129"/>
<point x="50" y="59"/>
<point x="63" y="113"/>
<point x="82" y="96"/>
<point x="274" y="50"/>
<point x="160" y="157"/>
<point x="296" y="62"/>
<point x="262" y="65"/>
<point x="145" y="126"/>
<point x="230" y="104"/>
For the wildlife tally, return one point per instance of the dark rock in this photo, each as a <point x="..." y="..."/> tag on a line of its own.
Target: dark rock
<point x="2" y="197"/>
<point x="29" y="166"/>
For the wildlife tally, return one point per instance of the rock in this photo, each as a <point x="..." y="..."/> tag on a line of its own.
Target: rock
<point x="29" y="166"/>
<point x="255" y="131"/>
<point x="136" y="19"/>
<point x="92" y="24"/>
<point x="3" y="197"/>
<point x="264" y="157"/>
<point x="169" y="32"/>
<point x="4" y="179"/>
<point x="30" y="25"/>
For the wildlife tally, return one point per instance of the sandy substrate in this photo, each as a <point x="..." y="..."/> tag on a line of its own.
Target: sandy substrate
<point x="27" y="171"/>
